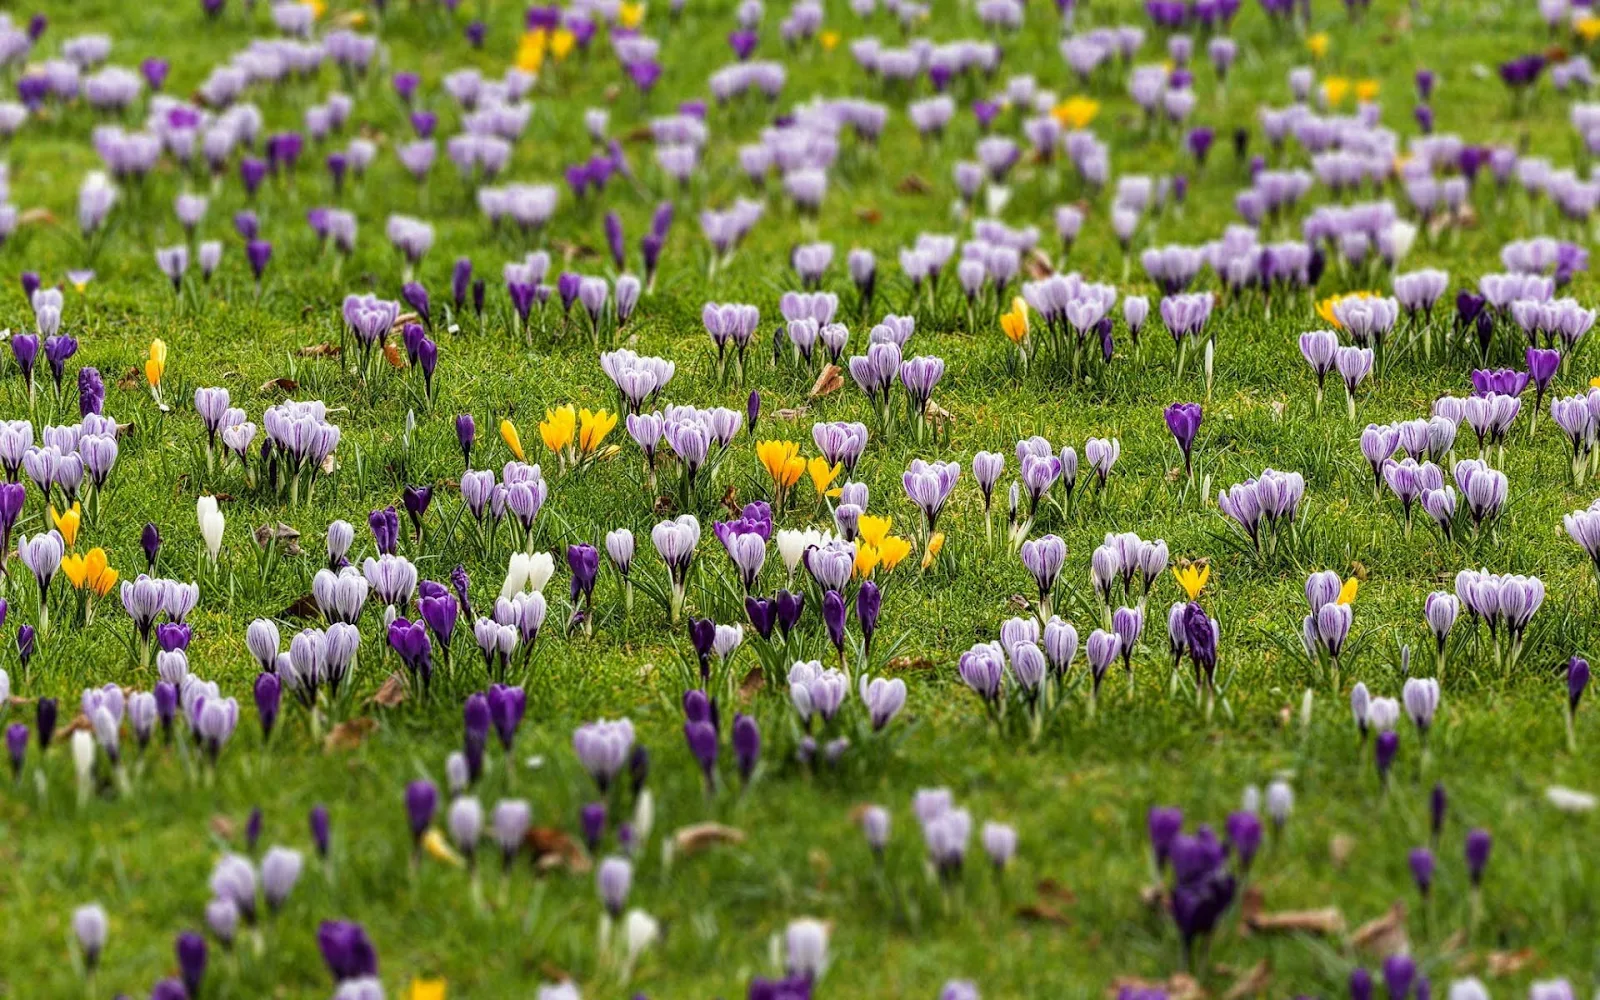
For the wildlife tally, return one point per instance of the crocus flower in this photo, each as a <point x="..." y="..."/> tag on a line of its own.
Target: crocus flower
<point x="1183" y="420"/>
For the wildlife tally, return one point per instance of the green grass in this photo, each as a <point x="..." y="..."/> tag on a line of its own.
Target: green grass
<point x="1078" y="795"/>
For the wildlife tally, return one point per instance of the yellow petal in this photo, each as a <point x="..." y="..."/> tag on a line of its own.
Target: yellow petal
<point x="439" y="849"/>
<point x="1347" y="593"/>
<point x="426" y="989"/>
<point x="894" y="549"/>
<point x="513" y="440"/>
<point x="935" y="546"/>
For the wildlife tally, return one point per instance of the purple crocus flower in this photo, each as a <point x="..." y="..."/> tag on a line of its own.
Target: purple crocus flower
<point x="346" y="950"/>
<point x="1183" y="420"/>
<point x="1478" y="845"/>
<point x="466" y="434"/>
<point x="1244" y="835"/>
<point x="746" y="745"/>
<point x="17" y="747"/>
<point x="1385" y="748"/>
<point x="258" y="253"/>
<point x="422" y="798"/>
<point x="320" y="829"/>
<point x="584" y="561"/>
<point x="701" y="737"/>
<point x="1421" y="863"/>
<point x="44" y="715"/>
<point x="269" y="695"/>
<point x="191" y="953"/>
<point x="1399" y="973"/>
<point x="1164" y="823"/>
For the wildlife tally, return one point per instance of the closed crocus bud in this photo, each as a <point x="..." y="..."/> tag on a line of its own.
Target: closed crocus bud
<point x="44" y="709"/>
<point x="613" y="880"/>
<point x="1280" y="802"/>
<point x="17" y="748"/>
<point x="592" y="822"/>
<point x="875" y="827"/>
<point x="280" y="870"/>
<point x="1478" y="845"/>
<point x="1577" y="681"/>
<point x="191" y="953"/>
<point x="1438" y="803"/>
<point x="268" y="695"/>
<point x="150" y="541"/>
<point x="752" y="411"/>
<point x="806" y="948"/>
<point x="1422" y="864"/>
<point x="1000" y="843"/>
<point x="421" y="800"/>
<point x="466" y="434"/>
<point x="1244" y="834"/>
<point x="746" y="745"/>
<point x="91" y="927"/>
<point x="320" y="829"/>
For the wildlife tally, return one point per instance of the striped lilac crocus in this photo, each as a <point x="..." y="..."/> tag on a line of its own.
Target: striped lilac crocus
<point x="1183" y="420"/>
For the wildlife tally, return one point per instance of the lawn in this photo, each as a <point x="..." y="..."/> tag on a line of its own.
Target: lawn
<point x="1080" y="907"/>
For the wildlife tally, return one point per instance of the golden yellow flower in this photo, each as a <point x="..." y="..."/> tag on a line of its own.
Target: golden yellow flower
<point x="822" y="476"/>
<point x="561" y="43"/>
<point x="1367" y="90"/>
<point x="1326" y="306"/>
<point x="1594" y="383"/>
<point x="873" y="529"/>
<point x="558" y="427"/>
<point x="935" y="545"/>
<point x="593" y="428"/>
<point x="439" y="849"/>
<point x="782" y="461"/>
<point x="1192" y="576"/>
<point x="630" y="15"/>
<point x="318" y="8"/>
<point x="1015" y="322"/>
<point x="893" y="550"/>
<point x="1587" y="27"/>
<point x="866" y="560"/>
<point x="1335" y="89"/>
<point x="426" y="989"/>
<point x="1317" y="44"/>
<point x="513" y="440"/>
<point x="1076" y="112"/>
<point x="1347" y="593"/>
<point x="74" y="567"/>
<point x="829" y="40"/>
<point x="530" y="51"/>
<point x="156" y="365"/>
<point x="68" y="523"/>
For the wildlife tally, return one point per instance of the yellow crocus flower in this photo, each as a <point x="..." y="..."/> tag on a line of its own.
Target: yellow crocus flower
<point x="1347" y="593"/>
<point x="893" y="550"/>
<point x="1326" y="306"/>
<point x="439" y="849"/>
<point x="1587" y="27"/>
<point x="867" y="559"/>
<point x="74" y="568"/>
<point x="630" y="15"/>
<point x="318" y="8"/>
<point x="829" y="40"/>
<point x="823" y="475"/>
<point x="1015" y="322"/>
<point x="530" y="51"/>
<point x="559" y="427"/>
<point x="426" y="989"/>
<point x="935" y="545"/>
<point x="873" y="529"/>
<point x="1335" y="89"/>
<point x="782" y="461"/>
<point x="561" y="43"/>
<point x="513" y="440"/>
<point x="68" y="523"/>
<point x="1367" y="90"/>
<point x="156" y="365"/>
<point x="593" y="428"/>
<point x="1594" y="383"/>
<point x="1192" y="577"/>
<point x="1318" y="44"/>
<point x="1076" y="112"/>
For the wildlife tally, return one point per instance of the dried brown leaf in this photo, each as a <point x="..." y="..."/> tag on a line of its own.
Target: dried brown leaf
<point x="1327" y="920"/>
<point x="280" y="384"/>
<point x="901" y="663"/>
<point x="554" y="848"/>
<point x="322" y="350"/>
<point x="223" y="826"/>
<point x="1049" y="888"/>
<point x="1340" y="847"/>
<point x="913" y="184"/>
<point x="700" y="836"/>
<point x="1252" y="982"/>
<point x="1507" y="963"/>
<point x="830" y="380"/>
<point x="753" y="681"/>
<point x="304" y="606"/>
<point x="37" y="215"/>
<point x="1038" y="264"/>
<point x="287" y="538"/>
<point x="392" y="693"/>
<point x="1042" y="912"/>
<point x="1384" y="935"/>
<point x="869" y="215"/>
<point x="393" y="355"/>
<point x="791" y="413"/>
<point x="350" y="734"/>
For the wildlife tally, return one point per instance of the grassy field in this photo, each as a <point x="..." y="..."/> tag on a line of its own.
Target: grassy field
<point x="1071" y="914"/>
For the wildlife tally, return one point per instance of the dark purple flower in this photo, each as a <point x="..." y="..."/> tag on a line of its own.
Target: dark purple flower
<point x="1438" y="805"/>
<point x="25" y="347"/>
<point x="320" y="829"/>
<point x="476" y="722"/>
<point x="1163" y="823"/>
<point x="1183" y="420"/>
<point x="1385" y="748"/>
<point x="746" y="744"/>
<point x="1478" y="845"/>
<point x="1244" y="836"/>
<point x="702" y="740"/>
<point x="834" y="614"/>
<point x="460" y="281"/>
<point x="592" y="821"/>
<point x="475" y="33"/>
<point x="252" y="172"/>
<point x="150" y="541"/>
<point x="1421" y="862"/>
<point x="1360" y="984"/>
<point x="615" y="241"/>
<point x="439" y="612"/>
<point x="743" y="43"/>
<point x="1577" y="680"/>
<point x="790" y="606"/>
<point x="91" y="391"/>
<point x="252" y="830"/>
<point x="258" y="253"/>
<point x="44" y="714"/>
<point x="57" y="350"/>
<point x="191" y="952"/>
<point x="1399" y="973"/>
<point x="17" y="747"/>
<point x="346" y="950"/>
<point x="385" y="525"/>
<point x="421" y="800"/>
<point x="506" y="708"/>
<point x="1425" y="80"/>
<point x="416" y="296"/>
<point x="1199" y="142"/>
<point x="416" y="499"/>
<point x="269" y="695"/>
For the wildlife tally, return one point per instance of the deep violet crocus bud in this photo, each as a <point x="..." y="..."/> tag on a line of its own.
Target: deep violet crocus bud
<point x="752" y="411"/>
<point x="150" y="541"/>
<point x="1577" y="681"/>
<point x="466" y="434"/>
<point x="1164" y="824"/>
<point x="1399" y="973"/>
<point x="476" y="720"/>
<point x="592" y="822"/>
<point x="269" y="694"/>
<point x="1438" y="805"/>
<point x="1422" y="864"/>
<point x="869" y="601"/>
<point x="834" y="613"/>
<point x="1360" y="984"/>
<point x="416" y="296"/>
<point x="702" y="740"/>
<point x="252" y="830"/>
<point x="746" y="745"/>
<point x="422" y="798"/>
<point x="321" y="832"/>
<point x="1244" y="833"/>
<point x="17" y="747"/>
<point x="1385" y="748"/>
<point x="1478" y="845"/>
<point x="1183" y="420"/>
<point x="44" y="717"/>
<point x="460" y="282"/>
<point x="191" y="952"/>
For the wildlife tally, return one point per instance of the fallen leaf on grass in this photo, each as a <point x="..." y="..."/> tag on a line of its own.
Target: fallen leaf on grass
<point x="912" y="184"/>
<point x="830" y="380"/>
<point x="1255" y="981"/>
<point x="553" y="848"/>
<point x="288" y="538"/>
<point x="280" y="384"/>
<point x="791" y="413"/>
<point x="392" y="693"/>
<point x="698" y="837"/>
<point x="1340" y="847"/>
<point x="350" y="734"/>
<point x="1038" y="264"/>
<point x="222" y="826"/>
<point x="870" y="216"/>
<point x="753" y="681"/>
<point x="37" y="214"/>
<point x="304" y="606"/>
<point x="1178" y="986"/>
<point x="322" y="350"/>
<point x="1383" y="935"/>
<point x="392" y="354"/>
<point x="1327" y="920"/>
<point x="1507" y="963"/>
<point x="901" y="663"/>
<point x="1042" y="912"/>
